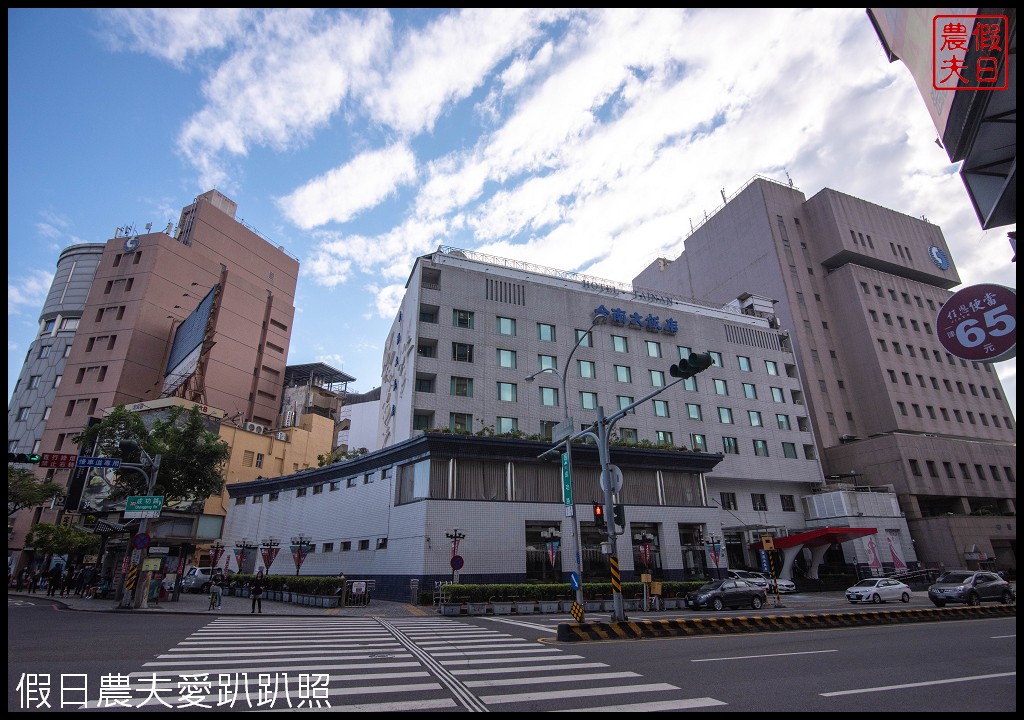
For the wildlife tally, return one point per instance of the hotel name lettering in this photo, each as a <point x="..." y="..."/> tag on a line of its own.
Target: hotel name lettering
<point x="651" y="323"/>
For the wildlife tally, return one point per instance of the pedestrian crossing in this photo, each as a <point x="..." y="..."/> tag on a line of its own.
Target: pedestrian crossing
<point x="378" y="664"/>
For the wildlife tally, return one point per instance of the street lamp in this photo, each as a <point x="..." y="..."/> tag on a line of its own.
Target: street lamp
<point x="714" y="552"/>
<point x="301" y="544"/>
<point x="551" y="538"/>
<point x="244" y="546"/>
<point x="269" y="547"/>
<point x="455" y="536"/>
<point x="149" y="467"/>
<point x="567" y="423"/>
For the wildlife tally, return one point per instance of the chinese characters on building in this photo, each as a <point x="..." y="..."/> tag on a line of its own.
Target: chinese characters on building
<point x="969" y="52"/>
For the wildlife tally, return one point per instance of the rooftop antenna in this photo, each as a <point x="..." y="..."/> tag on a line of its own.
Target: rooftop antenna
<point x="149" y="226"/>
<point x="788" y="177"/>
<point x="723" y="196"/>
<point x="167" y="230"/>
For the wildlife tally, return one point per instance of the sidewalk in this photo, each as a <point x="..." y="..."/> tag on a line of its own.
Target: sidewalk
<point x="198" y="604"/>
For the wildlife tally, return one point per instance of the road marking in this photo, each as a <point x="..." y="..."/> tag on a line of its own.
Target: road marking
<point x="529" y="625"/>
<point x="884" y="688"/>
<point x="687" y="704"/>
<point x="584" y="692"/>
<point x="755" y="657"/>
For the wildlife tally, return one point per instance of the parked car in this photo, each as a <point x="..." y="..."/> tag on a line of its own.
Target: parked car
<point x="785" y="586"/>
<point x="731" y="593"/>
<point x="970" y="587"/>
<point x="878" y="590"/>
<point x="751" y="577"/>
<point x="198" y="580"/>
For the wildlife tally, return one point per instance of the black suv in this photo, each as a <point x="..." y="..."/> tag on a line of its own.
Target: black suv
<point x="970" y="587"/>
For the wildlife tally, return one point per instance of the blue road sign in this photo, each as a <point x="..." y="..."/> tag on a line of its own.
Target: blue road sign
<point x="104" y="462"/>
<point x="457" y="562"/>
<point x="574" y="580"/>
<point x="763" y="556"/>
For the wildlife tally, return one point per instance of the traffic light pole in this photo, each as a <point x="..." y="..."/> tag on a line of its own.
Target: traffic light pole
<point x="149" y="468"/>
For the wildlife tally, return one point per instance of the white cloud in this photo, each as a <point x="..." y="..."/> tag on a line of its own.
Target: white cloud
<point x="27" y="293"/>
<point x="173" y="34"/>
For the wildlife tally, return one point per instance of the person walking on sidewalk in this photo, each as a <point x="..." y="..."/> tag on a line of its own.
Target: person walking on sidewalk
<point x="53" y="580"/>
<point x="256" y="589"/>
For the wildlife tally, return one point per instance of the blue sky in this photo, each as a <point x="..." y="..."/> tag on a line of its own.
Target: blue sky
<point x="583" y="140"/>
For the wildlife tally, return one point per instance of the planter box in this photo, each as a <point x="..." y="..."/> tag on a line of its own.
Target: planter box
<point x="450" y="609"/>
<point x="526" y="607"/>
<point x="590" y="605"/>
<point x="549" y="606"/>
<point x="567" y="605"/>
<point x="477" y="608"/>
<point x="501" y="608"/>
<point x="670" y="603"/>
<point x="608" y="605"/>
<point x="633" y="605"/>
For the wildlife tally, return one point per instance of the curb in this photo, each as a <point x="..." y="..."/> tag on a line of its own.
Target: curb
<point x="642" y="629"/>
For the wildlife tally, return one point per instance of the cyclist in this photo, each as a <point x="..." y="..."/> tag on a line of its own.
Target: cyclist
<point x="215" y="592"/>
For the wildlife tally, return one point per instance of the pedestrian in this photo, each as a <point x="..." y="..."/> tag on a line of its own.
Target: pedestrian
<point x="33" y="580"/>
<point x="53" y="580"/>
<point x="342" y="591"/>
<point x="256" y="589"/>
<point x="23" y="578"/>
<point x="67" y="580"/>
<point x="83" y="581"/>
<point x="217" y="589"/>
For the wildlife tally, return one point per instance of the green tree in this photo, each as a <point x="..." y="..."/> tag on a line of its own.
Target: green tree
<point x="192" y="458"/>
<point x="61" y="540"/>
<point x="25" y="490"/>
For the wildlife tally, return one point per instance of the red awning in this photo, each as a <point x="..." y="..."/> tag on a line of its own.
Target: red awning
<point x="819" y="536"/>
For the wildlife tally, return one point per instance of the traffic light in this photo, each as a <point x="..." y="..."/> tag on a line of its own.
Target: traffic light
<point x="598" y="512"/>
<point x="619" y="513"/>
<point x="695" y="363"/>
<point x="31" y="458"/>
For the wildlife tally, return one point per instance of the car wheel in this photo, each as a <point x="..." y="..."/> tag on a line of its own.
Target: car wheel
<point x="1007" y="598"/>
<point x="938" y="603"/>
<point x="905" y="597"/>
<point x="876" y="599"/>
<point x="717" y="604"/>
<point x="756" y="603"/>
<point x="973" y="599"/>
<point x="205" y="589"/>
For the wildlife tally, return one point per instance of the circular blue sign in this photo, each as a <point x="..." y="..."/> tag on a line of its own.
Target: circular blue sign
<point x="938" y="257"/>
<point x="457" y="562"/>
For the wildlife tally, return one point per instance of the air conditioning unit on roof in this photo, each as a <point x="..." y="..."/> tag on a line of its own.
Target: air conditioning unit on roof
<point x="282" y="436"/>
<point x="255" y="428"/>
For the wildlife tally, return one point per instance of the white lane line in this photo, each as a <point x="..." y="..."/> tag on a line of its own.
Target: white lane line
<point x="885" y="688"/>
<point x="257" y="669"/>
<point x="583" y="692"/>
<point x="493" y="661"/>
<point x="529" y="625"/>
<point x="537" y="668"/>
<point x="756" y="657"/>
<point x="687" y="704"/>
<point x="503" y="682"/>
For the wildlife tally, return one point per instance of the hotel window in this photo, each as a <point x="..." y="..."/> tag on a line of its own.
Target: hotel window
<point x="759" y="501"/>
<point x="547" y="429"/>
<point x="772" y="367"/>
<point x="462" y="386"/>
<point x="653" y="349"/>
<point x="506" y="425"/>
<point x="693" y="411"/>
<point x="761" y="448"/>
<point x="684" y="352"/>
<point x="873" y="315"/>
<point x="22" y="414"/>
<point x="584" y="338"/>
<point x="628" y="434"/>
<point x="624" y="401"/>
<point x="783" y="422"/>
<point x="273" y="497"/>
<point x="932" y="469"/>
<point x="507" y="358"/>
<point x="462" y="352"/>
<point x="777" y="395"/>
<point x="425" y="385"/>
<point x="549" y="396"/>
<point x="902" y="408"/>
<point x="545" y="332"/>
<point x="460" y="422"/>
<point x="749" y="391"/>
<point x="698" y="442"/>
<point x="587" y="368"/>
<point x="730" y="446"/>
<point x="657" y="378"/>
<point x="547" y="362"/>
<point x="364" y="544"/>
<point x="728" y="500"/>
<point x="44" y="351"/>
<point x="462" y="319"/>
<point x="318" y="489"/>
<point x="300" y="492"/>
<point x="716" y="358"/>
<point x="725" y="415"/>
<point x="507" y="392"/>
<point x="623" y="374"/>
<point x="948" y="467"/>
<point x="744" y="364"/>
<point x="328" y="547"/>
<point x="788" y="503"/>
<point x="721" y="388"/>
<point x="33" y="382"/>
<point x="789" y="450"/>
<point x="690" y="384"/>
<point x="588" y="400"/>
<point x="664" y="437"/>
<point x="506" y="326"/>
<point x="620" y="343"/>
<point x="661" y="408"/>
<point x="755" y="418"/>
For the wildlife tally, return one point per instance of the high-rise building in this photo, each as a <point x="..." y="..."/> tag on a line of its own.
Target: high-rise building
<point x="32" y="400"/>
<point x="204" y="313"/>
<point x="858" y="288"/>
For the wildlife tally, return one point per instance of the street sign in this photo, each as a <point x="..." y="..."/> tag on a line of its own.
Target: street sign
<point x="566" y="480"/>
<point x="767" y="542"/>
<point x="614" y="478"/>
<point x="103" y="462"/>
<point x="141" y="541"/>
<point x="562" y="430"/>
<point x="57" y="460"/>
<point x="574" y="580"/>
<point x="143" y="506"/>
<point x="979" y="323"/>
<point x="762" y="556"/>
<point x="457" y="562"/>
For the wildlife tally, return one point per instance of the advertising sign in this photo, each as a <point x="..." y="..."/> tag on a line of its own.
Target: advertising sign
<point x="979" y="323"/>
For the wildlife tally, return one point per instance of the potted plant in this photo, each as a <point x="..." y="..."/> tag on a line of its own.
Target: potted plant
<point x="500" y="606"/>
<point x="526" y="607"/>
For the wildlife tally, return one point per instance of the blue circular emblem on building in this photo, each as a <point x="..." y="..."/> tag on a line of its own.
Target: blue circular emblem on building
<point x="938" y="257"/>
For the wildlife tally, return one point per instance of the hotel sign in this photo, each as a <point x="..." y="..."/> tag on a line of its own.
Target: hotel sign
<point x="650" y="322"/>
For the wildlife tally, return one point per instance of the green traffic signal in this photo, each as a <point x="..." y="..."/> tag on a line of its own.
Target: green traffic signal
<point x="29" y="458"/>
<point x="695" y="363"/>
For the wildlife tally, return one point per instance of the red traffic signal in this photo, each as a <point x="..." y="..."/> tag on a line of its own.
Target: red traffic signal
<point x="598" y="512"/>
<point x="695" y="363"/>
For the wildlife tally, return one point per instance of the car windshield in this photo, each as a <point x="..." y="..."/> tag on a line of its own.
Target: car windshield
<point x="955" y="578"/>
<point x="710" y="586"/>
<point x="866" y="583"/>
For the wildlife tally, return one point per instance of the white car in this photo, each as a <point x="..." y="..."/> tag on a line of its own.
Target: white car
<point x="878" y="590"/>
<point x="785" y="586"/>
<point x="751" y="577"/>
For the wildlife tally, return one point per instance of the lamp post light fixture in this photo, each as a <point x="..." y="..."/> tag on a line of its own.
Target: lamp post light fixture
<point x="567" y="427"/>
<point x="455" y="536"/>
<point x="301" y="545"/>
<point x="244" y="546"/>
<point x="269" y="548"/>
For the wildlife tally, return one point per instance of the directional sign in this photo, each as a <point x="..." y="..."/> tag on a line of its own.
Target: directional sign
<point x="143" y="506"/>
<point x="614" y="479"/>
<point x="979" y="323"/>
<point x="103" y="462"/>
<point x="574" y="580"/>
<point x="566" y="480"/>
<point x="562" y="430"/>
<point x="58" y="460"/>
<point x="141" y="541"/>
<point x="457" y="562"/>
<point x="767" y="542"/>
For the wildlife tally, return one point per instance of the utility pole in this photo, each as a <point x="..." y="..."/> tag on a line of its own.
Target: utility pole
<point x="149" y="467"/>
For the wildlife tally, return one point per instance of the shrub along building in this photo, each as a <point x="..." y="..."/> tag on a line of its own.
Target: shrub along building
<point x="485" y="359"/>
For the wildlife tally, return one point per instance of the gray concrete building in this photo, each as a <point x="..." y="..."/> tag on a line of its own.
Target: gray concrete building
<point x="858" y="287"/>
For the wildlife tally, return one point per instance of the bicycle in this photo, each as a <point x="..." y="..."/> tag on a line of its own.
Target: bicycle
<point x="215" y="596"/>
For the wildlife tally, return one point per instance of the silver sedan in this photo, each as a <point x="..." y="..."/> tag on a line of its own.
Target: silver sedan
<point x="878" y="590"/>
